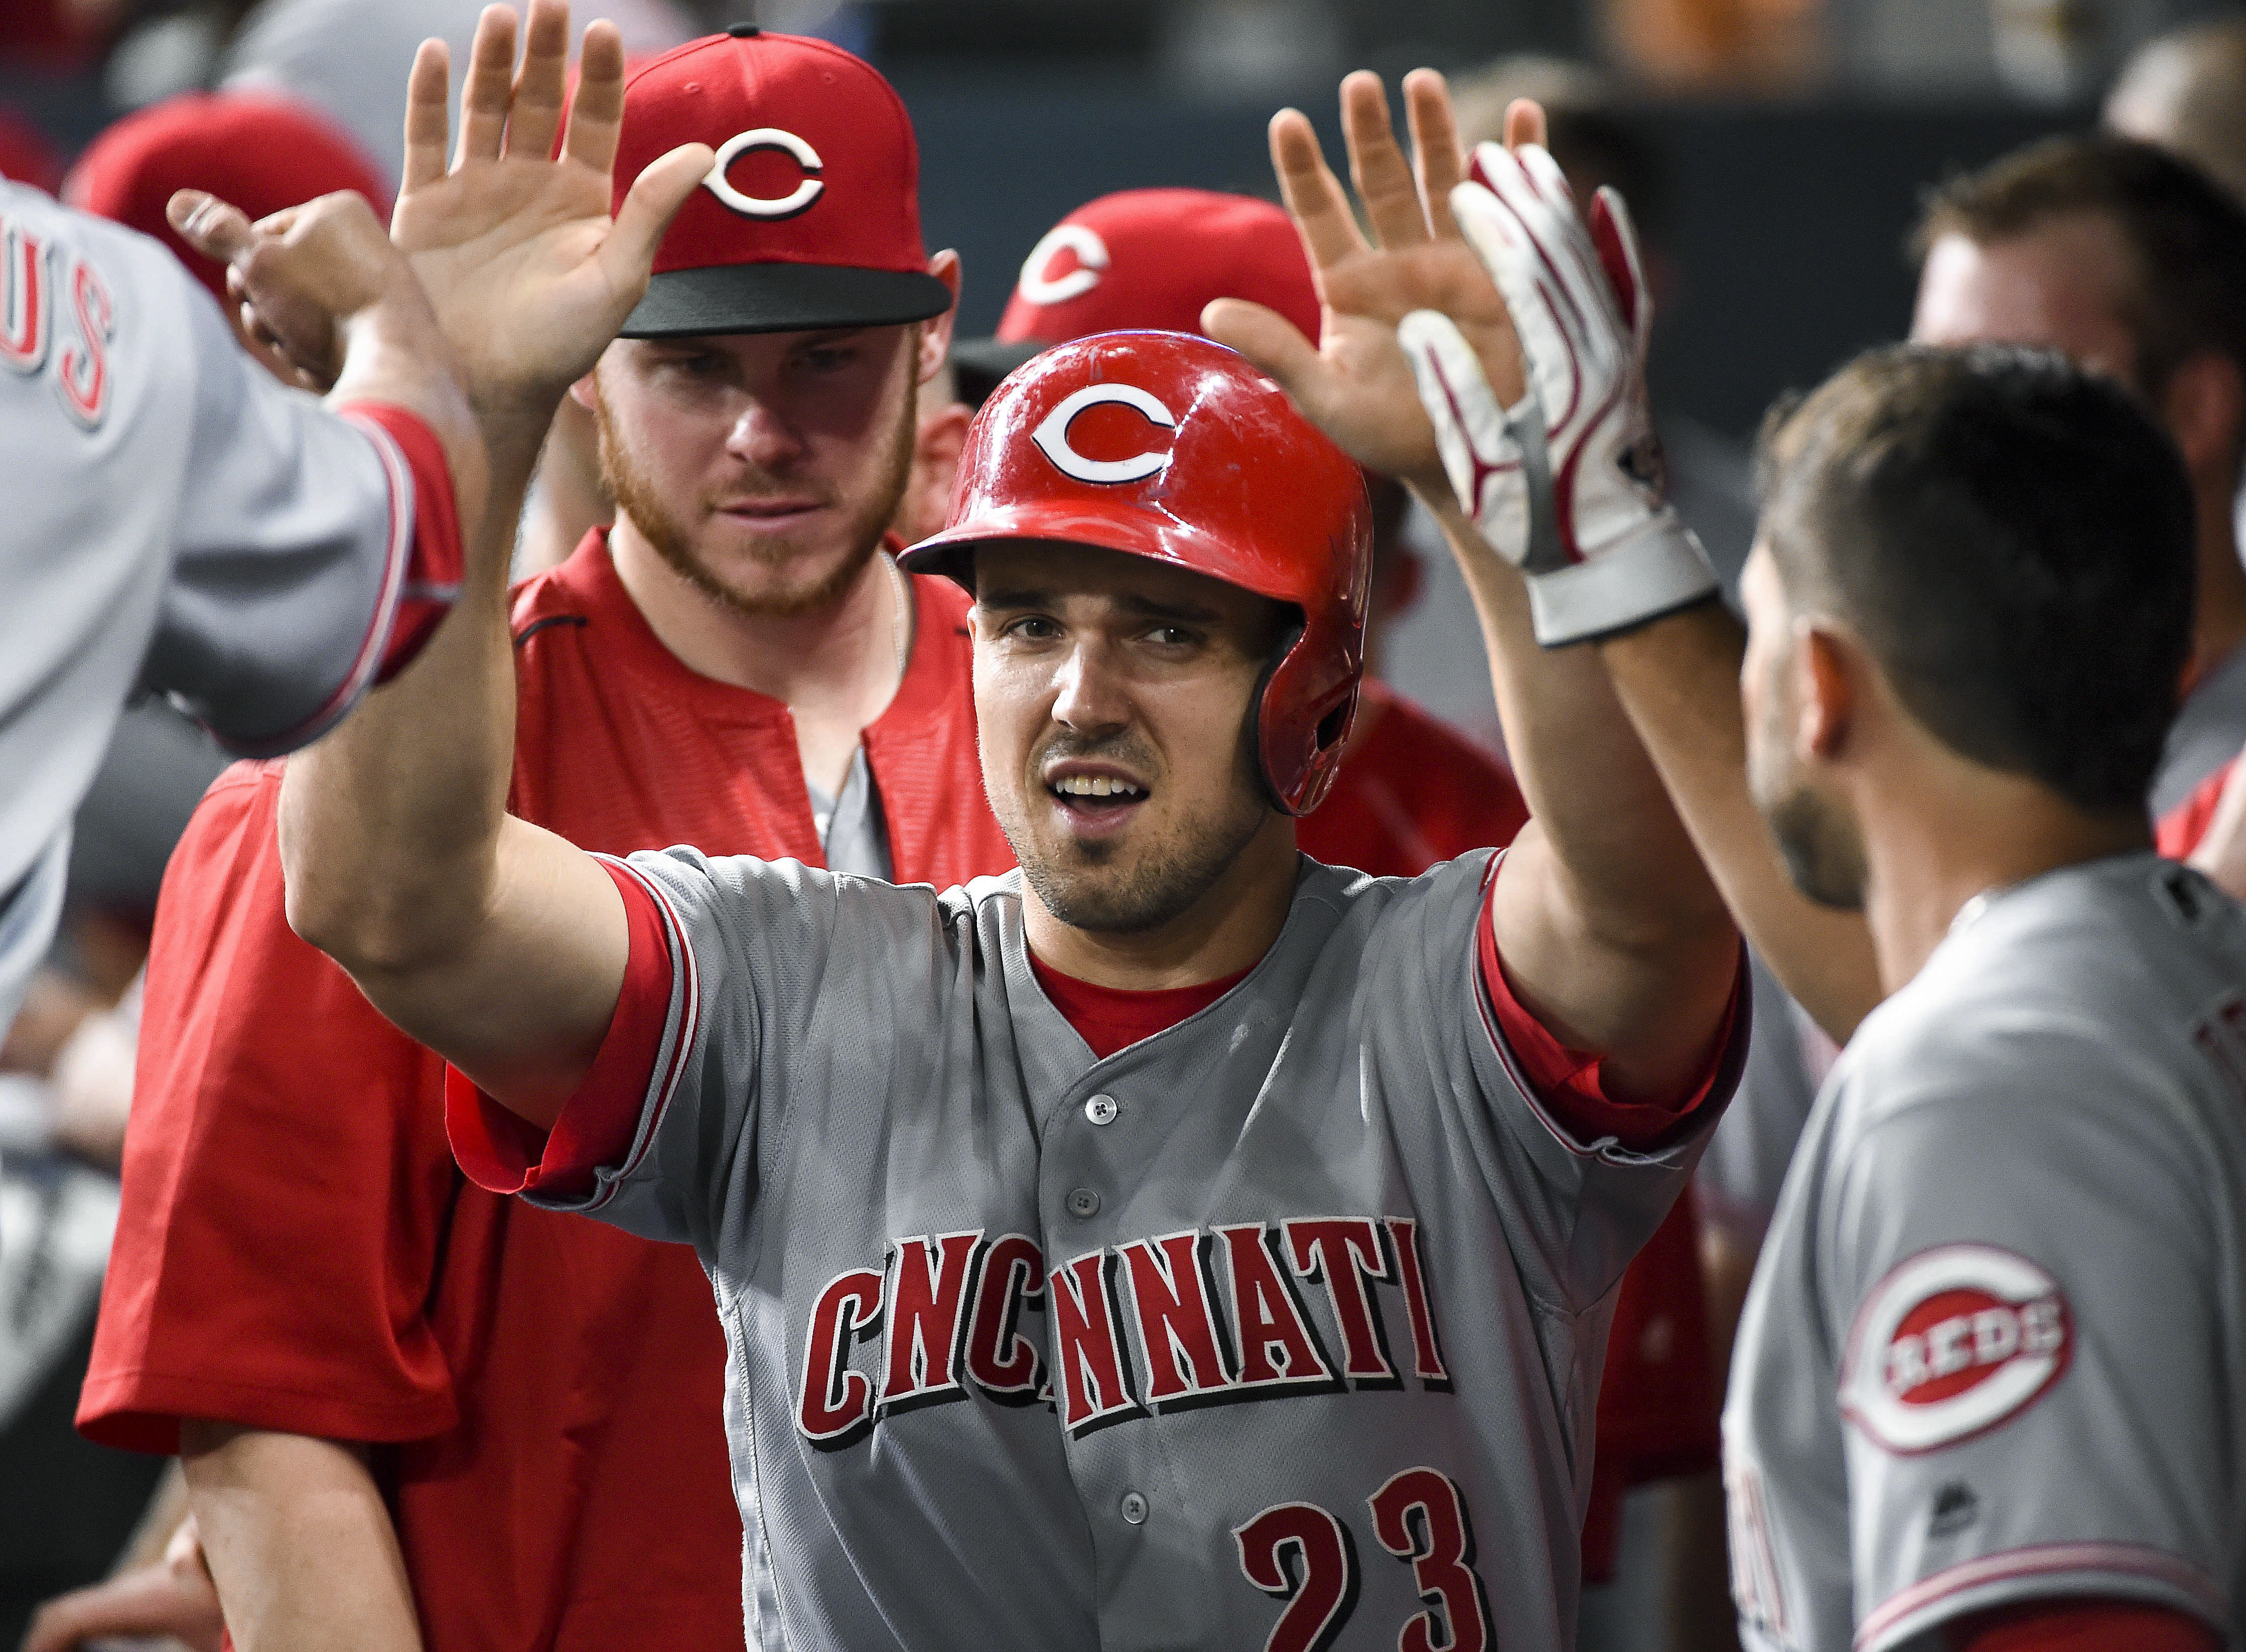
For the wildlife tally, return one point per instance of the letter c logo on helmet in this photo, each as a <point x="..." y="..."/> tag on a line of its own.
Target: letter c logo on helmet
<point x="1052" y="435"/>
<point x="786" y="206"/>
<point x="1091" y="259"/>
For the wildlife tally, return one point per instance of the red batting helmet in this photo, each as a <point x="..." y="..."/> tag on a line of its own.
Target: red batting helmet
<point x="1169" y="446"/>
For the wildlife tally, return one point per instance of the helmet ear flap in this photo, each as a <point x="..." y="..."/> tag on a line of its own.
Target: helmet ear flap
<point x="1302" y="724"/>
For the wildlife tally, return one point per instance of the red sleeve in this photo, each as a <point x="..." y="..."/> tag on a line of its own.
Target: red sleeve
<point x="434" y="566"/>
<point x="506" y="1154"/>
<point x="286" y="1184"/>
<point x="2082" y="1626"/>
<point x="2181" y="827"/>
<point x="1569" y="1085"/>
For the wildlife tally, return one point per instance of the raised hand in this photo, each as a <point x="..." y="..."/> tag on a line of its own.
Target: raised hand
<point x="302" y="275"/>
<point x="513" y="242"/>
<point x="1567" y="485"/>
<point x="1356" y="383"/>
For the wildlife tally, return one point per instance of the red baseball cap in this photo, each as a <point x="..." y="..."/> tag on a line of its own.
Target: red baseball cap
<point x="1150" y="259"/>
<point x="258" y="151"/>
<point x="811" y="217"/>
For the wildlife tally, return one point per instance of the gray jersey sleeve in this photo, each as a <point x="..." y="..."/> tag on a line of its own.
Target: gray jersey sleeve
<point x="1579" y="1203"/>
<point x="179" y="519"/>
<point x="2034" y="1360"/>
<point x="775" y="967"/>
<point x="288" y="552"/>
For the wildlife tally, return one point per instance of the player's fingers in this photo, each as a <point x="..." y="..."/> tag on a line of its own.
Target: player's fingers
<point x="1267" y="338"/>
<point x="1377" y="165"/>
<point x="428" y="118"/>
<point x="596" y="115"/>
<point x="1435" y="153"/>
<point x="212" y="227"/>
<point x="1313" y="194"/>
<point x="535" y="115"/>
<point x="489" y="87"/>
<point x="655" y="198"/>
<point x="1524" y="123"/>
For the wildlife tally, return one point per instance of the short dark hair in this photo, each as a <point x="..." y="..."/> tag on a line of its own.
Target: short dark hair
<point x="2013" y="537"/>
<point x="2186" y="236"/>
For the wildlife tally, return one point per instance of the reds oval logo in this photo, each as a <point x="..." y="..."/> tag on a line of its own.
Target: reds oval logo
<point x="1957" y="1340"/>
<point x="1090" y="252"/>
<point x="786" y="206"/>
<point x="1052" y="435"/>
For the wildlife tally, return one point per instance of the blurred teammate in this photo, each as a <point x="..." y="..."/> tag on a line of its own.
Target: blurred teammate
<point x="260" y="151"/>
<point x="186" y="525"/>
<point x="2186" y="90"/>
<point x="2133" y="263"/>
<point x="413" y="1413"/>
<point x="1250" y="1127"/>
<point x="1986" y="1374"/>
<point x="1411" y="791"/>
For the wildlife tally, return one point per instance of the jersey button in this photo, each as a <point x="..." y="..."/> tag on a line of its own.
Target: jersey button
<point x="1134" y="1508"/>
<point x="1102" y="1109"/>
<point x="1084" y="1202"/>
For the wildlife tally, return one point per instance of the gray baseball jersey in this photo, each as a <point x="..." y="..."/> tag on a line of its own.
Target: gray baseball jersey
<point x="1278" y="1328"/>
<point x="174" y="518"/>
<point x="1993" y="1350"/>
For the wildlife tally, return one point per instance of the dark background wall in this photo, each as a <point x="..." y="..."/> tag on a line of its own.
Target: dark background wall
<point x="1785" y="226"/>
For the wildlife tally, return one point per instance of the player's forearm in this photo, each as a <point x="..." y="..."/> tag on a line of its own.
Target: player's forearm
<point x="497" y="944"/>
<point x="1678" y="679"/>
<point x="299" y="1540"/>
<point x="1628" y="865"/>
<point x="1620" y="939"/>
<point x="389" y="827"/>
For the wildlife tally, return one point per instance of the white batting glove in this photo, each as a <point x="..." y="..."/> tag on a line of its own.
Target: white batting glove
<point x="1568" y="484"/>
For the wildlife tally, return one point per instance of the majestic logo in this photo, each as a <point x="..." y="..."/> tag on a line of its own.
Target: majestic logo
<point x="1090" y="252"/>
<point x="1957" y="1339"/>
<point x="1160" y="1324"/>
<point x="1051" y="436"/>
<point x="1957" y="1505"/>
<point x="786" y="206"/>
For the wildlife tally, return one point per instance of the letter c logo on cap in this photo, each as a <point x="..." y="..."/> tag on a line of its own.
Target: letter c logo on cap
<point x="784" y="206"/>
<point x="1090" y="258"/>
<point x="1051" y="436"/>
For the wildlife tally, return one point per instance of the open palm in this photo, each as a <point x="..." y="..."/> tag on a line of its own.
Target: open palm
<point x="1357" y="385"/>
<point x="529" y="277"/>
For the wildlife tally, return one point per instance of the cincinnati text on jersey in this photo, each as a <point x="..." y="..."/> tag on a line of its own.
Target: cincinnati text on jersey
<point x="1202" y="1317"/>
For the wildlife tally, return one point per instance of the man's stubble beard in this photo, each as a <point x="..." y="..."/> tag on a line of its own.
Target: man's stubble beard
<point x="1169" y="879"/>
<point x="1820" y="849"/>
<point x="1824" y="856"/>
<point x="637" y="497"/>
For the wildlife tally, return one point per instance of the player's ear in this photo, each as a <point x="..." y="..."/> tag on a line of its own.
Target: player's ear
<point x="1826" y="690"/>
<point x="935" y="332"/>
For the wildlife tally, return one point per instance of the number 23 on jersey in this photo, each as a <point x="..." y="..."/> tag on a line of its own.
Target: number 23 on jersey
<point x="1304" y="1555"/>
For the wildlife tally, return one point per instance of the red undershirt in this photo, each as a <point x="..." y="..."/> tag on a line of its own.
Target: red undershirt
<point x="1113" y="1018"/>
